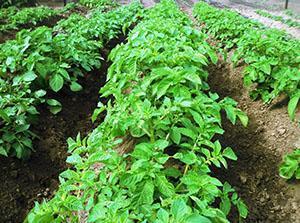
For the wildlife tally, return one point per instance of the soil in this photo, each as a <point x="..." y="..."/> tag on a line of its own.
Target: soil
<point x="24" y="182"/>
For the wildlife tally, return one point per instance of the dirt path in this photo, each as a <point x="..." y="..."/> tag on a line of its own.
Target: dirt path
<point x="259" y="147"/>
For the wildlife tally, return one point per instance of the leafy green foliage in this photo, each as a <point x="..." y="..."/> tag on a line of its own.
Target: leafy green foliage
<point x="14" y="19"/>
<point x="28" y="16"/>
<point x="289" y="22"/>
<point x="17" y="107"/>
<point x="272" y="57"/>
<point x="292" y="14"/>
<point x="51" y="58"/>
<point x="290" y="167"/>
<point x="103" y="4"/>
<point x="165" y="119"/>
<point x="6" y="13"/>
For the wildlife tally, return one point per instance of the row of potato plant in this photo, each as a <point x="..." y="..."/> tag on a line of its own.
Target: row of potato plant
<point x="14" y="19"/>
<point x="287" y="21"/>
<point x="45" y="59"/>
<point x="104" y="4"/>
<point x="151" y="158"/>
<point x="272" y="58"/>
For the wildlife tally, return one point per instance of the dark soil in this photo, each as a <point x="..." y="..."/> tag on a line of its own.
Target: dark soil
<point x="24" y="182"/>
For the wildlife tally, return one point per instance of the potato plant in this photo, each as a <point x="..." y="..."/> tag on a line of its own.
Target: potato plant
<point x="49" y="59"/>
<point x="272" y="58"/>
<point x="290" y="167"/>
<point x="15" y="19"/>
<point x="164" y="119"/>
<point x="104" y="4"/>
<point x="28" y="16"/>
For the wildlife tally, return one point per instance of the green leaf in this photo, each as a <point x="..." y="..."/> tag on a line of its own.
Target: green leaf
<point x="55" y="106"/>
<point x="266" y="68"/>
<point x="64" y="73"/>
<point x="163" y="215"/>
<point x="164" y="187"/>
<point x="4" y="116"/>
<point x="143" y="151"/>
<point x="179" y="209"/>
<point x="74" y="159"/>
<point x="56" y="82"/>
<point x="3" y="151"/>
<point x="98" y="213"/>
<point x="188" y="132"/>
<point x="293" y="105"/>
<point x="40" y="93"/>
<point x="29" y="76"/>
<point x="228" y="152"/>
<point x="242" y="208"/>
<point x="189" y="158"/>
<point x="225" y="205"/>
<point x="243" y="118"/>
<point x="146" y="196"/>
<point x="196" y="218"/>
<point x="75" y="86"/>
<point x="175" y="135"/>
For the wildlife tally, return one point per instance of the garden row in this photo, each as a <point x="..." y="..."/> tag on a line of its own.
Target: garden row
<point x="272" y="58"/>
<point x="289" y="22"/>
<point x="151" y="158"/>
<point x="12" y="18"/>
<point x="47" y="59"/>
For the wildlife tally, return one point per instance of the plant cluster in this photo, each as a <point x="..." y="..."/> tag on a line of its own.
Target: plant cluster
<point x="104" y="4"/>
<point x="50" y="58"/>
<point x="289" y="22"/>
<point x="272" y="57"/>
<point x="14" y="19"/>
<point x="164" y="119"/>
<point x="292" y="14"/>
<point x="290" y="167"/>
<point x="5" y="13"/>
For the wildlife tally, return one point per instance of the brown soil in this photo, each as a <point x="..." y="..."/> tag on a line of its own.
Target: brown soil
<point x="24" y="182"/>
<point x="259" y="148"/>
